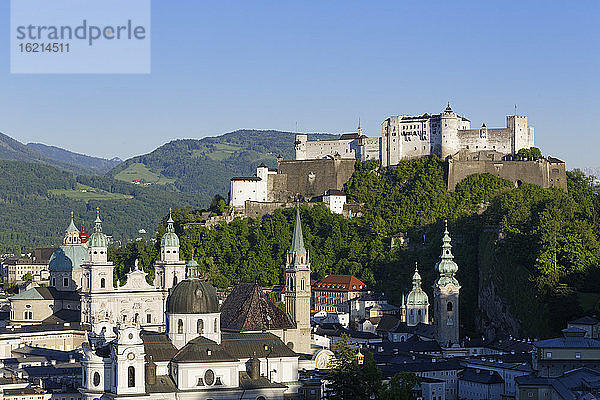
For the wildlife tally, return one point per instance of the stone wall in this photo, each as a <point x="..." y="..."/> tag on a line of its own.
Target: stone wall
<point x="309" y="178"/>
<point x="546" y="172"/>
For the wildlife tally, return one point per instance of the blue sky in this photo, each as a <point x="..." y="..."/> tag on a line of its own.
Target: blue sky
<point x="320" y="65"/>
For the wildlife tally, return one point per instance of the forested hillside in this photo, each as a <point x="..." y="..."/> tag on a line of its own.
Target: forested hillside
<point x="35" y="202"/>
<point x="100" y="165"/>
<point x="532" y="252"/>
<point x="11" y="149"/>
<point x="205" y="166"/>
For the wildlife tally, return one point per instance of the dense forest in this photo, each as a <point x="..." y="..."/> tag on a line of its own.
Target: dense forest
<point x="205" y="166"/>
<point x="36" y="200"/>
<point x="536" y="248"/>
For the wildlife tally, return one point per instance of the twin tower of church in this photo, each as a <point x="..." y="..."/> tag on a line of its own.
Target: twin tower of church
<point x="446" y="289"/>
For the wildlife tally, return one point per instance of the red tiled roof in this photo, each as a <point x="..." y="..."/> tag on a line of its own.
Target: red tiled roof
<point x="340" y="283"/>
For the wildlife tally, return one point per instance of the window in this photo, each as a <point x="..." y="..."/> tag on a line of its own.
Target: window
<point x="216" y="326"/>
<point x="65" y="281"/>
<point x="28" y="315"/>
<point x="103" y="283"/>
<point x="577" y="355"/>
<point x="180" y="326"/>
<point x="148" y="318"/>
<point x="209" y="377"/>
<point x="96" y="378"/>
<point x="136" y="317"/>
<point x="302" y="284"/>
<point x="200" y="326"/>
<point x="174" y="281"/>
<point x="548" y="355"/>
<point x="449" y="306"/>
<point x="131" y="377"/>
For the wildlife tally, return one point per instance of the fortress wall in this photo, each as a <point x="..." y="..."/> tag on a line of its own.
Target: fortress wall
<point x="499" y="139"/>
<point x="413" y="146"/>
<point x="540" y="172"/>
<point x="310" y="177"/>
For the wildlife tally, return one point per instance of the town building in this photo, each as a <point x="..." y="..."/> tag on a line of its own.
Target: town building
<point x="334" y="199"/>
<point x="554" y="357"/>
<point x="334" y="290"/>
<point x="349" y="145"/>
<point x="477" y="384"/>
<point x="590" y="325"/>
<point x="35" y="267"/>
<point x="580" y="383"/>
<point x="404" y="137"/>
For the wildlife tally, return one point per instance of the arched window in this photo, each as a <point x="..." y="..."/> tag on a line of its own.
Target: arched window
<point x="102" y="283"/>
<point x="148" y="318"/>
<point x="449" y="306"/>
<point x="200" y="326"/>
<point x="28" y="315"/>
<point x="216" y="326"/>
<point x="131" y="377"/>
<point x="174" y="281"/>
<point x="180" y="326"/>
<point x="302" y="284"/>
<point x="53" y="281"/>
<point x="136" y="317"/>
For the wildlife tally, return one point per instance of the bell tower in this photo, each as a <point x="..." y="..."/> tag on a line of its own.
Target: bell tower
<point x="169" y="269"/>
<point x="446" y="292"/>
<point x="297" y="288"/>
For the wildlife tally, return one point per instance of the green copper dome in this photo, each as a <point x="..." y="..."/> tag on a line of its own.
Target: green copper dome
<point x="170" y="239"/>
<point x="446" y="267"/>
<point x="417" y="297"/>
<point x="98" y="239"/>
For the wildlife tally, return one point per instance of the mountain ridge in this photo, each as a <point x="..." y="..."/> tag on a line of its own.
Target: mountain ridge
<point x="102" y="165"/>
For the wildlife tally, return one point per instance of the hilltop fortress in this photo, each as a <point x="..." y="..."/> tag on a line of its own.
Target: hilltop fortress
<point x="445" y="134"/>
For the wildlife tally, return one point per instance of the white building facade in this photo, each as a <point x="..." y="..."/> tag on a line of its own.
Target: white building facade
<point x="404" y="137"/>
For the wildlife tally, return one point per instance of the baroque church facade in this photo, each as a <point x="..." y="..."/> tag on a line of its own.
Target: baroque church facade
<point x="246" y="348"/>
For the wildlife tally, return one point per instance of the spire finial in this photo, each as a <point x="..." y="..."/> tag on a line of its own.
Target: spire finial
<point x="416" y="266"/>
<point x="72" y="214"/>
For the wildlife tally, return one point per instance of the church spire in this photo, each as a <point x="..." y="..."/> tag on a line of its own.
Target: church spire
<point x="297" y="238"/>
<point x="446" y="267"/>
<point x="416" y="278"/>
<point x="170" y="227"/>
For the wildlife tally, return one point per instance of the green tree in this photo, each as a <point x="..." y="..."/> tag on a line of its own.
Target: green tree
<point x="28" y="277"/>
<point x="401" y="387"/>
<point x="344" y="382"/>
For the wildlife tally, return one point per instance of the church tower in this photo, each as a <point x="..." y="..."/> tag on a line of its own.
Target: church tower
<point x="97" y="275"/>
<point x="297" y="289"/>
<point x="169" y="270"/>
<point x="445" y="292"/>
<point x="417" y="303"/>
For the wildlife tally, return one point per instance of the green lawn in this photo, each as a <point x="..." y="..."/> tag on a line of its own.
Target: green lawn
<point x="138" y="171"/>
<point x="223" y="151"/>
<point x="86" y="193"/>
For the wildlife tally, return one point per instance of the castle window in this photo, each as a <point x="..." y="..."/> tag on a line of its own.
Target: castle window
<point x="102" y="283"/>
<point x="449" y="306"/>
<point x="180" y="326"/>
<point x="148" y="318"/>
<point x="131" y="377"/>
<point x="200" y="326"/>
<point x="65" y="281"/>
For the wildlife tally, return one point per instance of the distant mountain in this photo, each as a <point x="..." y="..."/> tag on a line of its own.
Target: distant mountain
<point x="205" y="166"/>
<point x="11" y="149"/>
<point x="101" y="165"/>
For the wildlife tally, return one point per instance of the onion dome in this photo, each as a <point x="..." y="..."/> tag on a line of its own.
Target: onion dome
<point x="170" y="239"/>
<point x="417" y="297"/>
<point x="446" y="267"/>
<point x="98" y="239"/>
<point x="71" y="254"/>
<point x="193" y="296"/>
<point x="448" y="108"/>
<point x="83" y="235"/>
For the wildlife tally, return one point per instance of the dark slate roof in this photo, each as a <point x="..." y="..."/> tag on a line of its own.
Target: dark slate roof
<point x="247" y="308"/>
<point x="67" y="369"/>
<point x="338" y="330"/>
<point x="43" y="328"/>
<point x="334" y="192"/>
<point x="158" y="346"/>
<point x="421" y="366"/>
<point x="573" y="338"/>
<point x="164" y="384"/>
<point x="193" y="296"/>
<point x="349" y="136"/>
<point x="261" y="383"/>
<point x="245" y="178"/>
<point x="585" y="321"/>
<point x="202" y="349"/>
<point x="413" y="344"/>
<point x="246" y="345"/>
<point x="483" y="376"/>
<point x="46" y="293"/>
<point x="62" y="316"/>
<point x="388" y="323"/>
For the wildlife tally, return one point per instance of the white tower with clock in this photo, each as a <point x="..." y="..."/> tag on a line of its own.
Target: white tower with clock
<point x="128" y="361"/>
